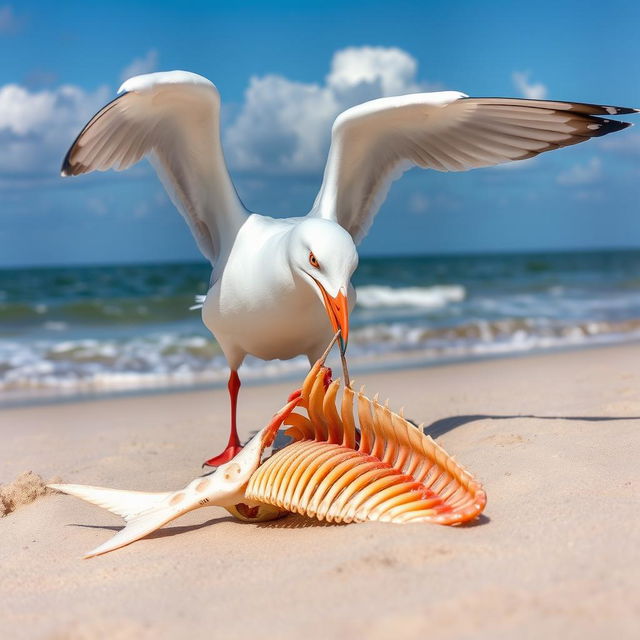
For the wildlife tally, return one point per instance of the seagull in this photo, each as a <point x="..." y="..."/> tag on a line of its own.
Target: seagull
<point x="280" y="287"/>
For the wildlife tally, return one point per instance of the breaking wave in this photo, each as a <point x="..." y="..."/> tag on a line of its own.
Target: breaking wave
<point x="71" y="331"/>
<point x="47" y="368"/>
<point x="377" y="296"/>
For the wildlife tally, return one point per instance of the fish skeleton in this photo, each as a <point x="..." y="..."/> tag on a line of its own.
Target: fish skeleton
<point x="359" y="462"/>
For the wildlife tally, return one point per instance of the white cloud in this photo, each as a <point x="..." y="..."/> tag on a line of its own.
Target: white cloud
<point x="581" y="174"/>
<point x="533" y="91"/>
<point x="392" y="71"/>
<point x="37" y="127"/>
<point x="284" y="126"/>
<point x="418" y="203"/>
<point x="9" y="22"/>
<point x="138" y="66"/>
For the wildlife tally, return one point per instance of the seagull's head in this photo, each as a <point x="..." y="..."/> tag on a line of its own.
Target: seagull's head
<point x="324" y="255"/>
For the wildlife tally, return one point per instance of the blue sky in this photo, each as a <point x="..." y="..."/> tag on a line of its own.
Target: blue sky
<point x="272" y="62"/>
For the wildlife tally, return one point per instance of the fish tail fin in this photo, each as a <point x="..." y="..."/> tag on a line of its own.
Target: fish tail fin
<point x="143" y="512"/>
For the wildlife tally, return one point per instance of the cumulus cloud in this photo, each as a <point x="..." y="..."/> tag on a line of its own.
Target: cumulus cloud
<point x="37" y="127"/>
<point x="146" y="64"/>
<point x="581" y="174"/>
<point x="531" y="90"/>
<point x="284" y="126"/>
<point x="386" y="70"/>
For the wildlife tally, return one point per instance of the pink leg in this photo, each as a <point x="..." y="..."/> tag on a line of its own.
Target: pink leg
<point x="233" y="446"/>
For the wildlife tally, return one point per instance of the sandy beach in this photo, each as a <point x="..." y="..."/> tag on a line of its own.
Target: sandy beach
<point x="555" y="439"/>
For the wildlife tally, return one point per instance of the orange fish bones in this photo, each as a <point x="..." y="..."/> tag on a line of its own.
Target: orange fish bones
<point x="361" y="462"/>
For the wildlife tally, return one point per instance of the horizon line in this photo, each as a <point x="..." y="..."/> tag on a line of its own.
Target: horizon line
<point x="375" y="256"/>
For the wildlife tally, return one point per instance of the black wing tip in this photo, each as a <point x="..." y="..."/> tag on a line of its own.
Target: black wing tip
<point x="619" y="111"/>
<point x="588" y="108"/>
<point x="68" y="169"/>
<point x="610" y="126"/>
<point x="71" y="169"/>
<point x="606" y="109"/>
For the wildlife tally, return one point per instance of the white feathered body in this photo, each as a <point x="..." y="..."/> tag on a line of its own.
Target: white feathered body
<point x="259" y="305"/>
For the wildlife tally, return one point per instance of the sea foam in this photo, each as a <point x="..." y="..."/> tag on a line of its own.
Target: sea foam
<point x="376" y="296"/>
<point x="69" y="331"/>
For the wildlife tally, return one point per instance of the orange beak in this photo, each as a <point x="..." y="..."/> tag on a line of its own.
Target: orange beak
<point x="338" y="312"/>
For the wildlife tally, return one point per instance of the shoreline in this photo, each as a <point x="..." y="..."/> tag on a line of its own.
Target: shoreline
<point x="378" y="364"/>
<point x="554" y="438"/>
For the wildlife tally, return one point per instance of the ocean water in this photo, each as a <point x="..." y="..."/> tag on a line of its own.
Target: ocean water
<point x="92" y="330"/>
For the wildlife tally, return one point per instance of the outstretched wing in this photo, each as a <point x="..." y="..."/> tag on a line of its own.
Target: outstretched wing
<point x="374" y="143"/>
<point x="172" y="117"/>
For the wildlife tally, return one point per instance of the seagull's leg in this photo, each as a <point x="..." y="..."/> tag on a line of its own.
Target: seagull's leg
<point x="233" y="446"/>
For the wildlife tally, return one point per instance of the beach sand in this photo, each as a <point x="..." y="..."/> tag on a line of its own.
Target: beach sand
<point x="555" y="439"/>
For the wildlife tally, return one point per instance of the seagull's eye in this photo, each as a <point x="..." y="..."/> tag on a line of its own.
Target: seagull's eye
<point x="313" y="261"/>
